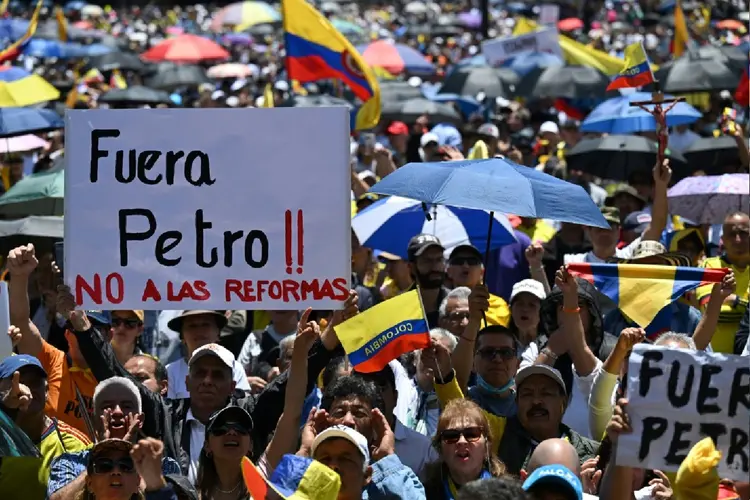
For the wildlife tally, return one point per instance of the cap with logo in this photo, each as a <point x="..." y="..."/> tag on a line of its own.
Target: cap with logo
<point x="347" y="433"/>
<point x="12" y="364"/>
<point x="221" y="353"/>
<point x="420" y="243"/>
<point x="528" y="286"/>
<point x="545" y="370"/>
<point x="556" y="476"/>
<point x="489" y="130"/>
<point x="636" y="221"/>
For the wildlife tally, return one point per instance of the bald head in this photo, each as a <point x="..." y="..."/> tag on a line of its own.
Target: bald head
<point x="554" y="451"/>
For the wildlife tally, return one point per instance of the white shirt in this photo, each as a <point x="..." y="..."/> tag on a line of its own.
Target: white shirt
<point x="590" y="258"/>
<point x="197" y="438"/>
<point x="177" y="372"/>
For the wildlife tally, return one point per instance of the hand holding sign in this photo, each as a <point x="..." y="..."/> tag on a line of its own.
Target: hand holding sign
<point x="22" y="260"/>
<point x="15" y="335"/>
<point x="66" y="307"/>
<point x="661" y="487"/>
<point x="628" y="338"/>
<point x="620" y="422"/>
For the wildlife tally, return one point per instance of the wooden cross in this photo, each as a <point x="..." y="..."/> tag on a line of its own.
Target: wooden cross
<point x="660" y="115"/>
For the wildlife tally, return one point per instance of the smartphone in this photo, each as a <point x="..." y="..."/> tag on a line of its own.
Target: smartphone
<point x="60" y="256"/>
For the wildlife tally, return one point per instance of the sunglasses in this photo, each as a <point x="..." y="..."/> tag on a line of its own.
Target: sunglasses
<point x="130" y="323"/>
<point x="471" y="434"/>
<point x="107" y="465"/>
<point x="460" y="261"/>
<point x="229" y="426"/>
<point x="489" y="353"/>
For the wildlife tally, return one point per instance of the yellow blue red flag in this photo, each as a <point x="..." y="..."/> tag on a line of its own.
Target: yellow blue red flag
<point x="640" y="291"/>
<point x="315" y="50"/>
<point x="637" y="72"/>
<point x="16" y="48"/>
<point x="384" y="332"/>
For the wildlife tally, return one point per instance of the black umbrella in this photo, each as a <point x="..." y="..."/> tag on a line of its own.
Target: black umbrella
<point x="470" y="81"/>
<point x="694" y="74"/>
<point x="573" y="82"/>
<point x="135" y="95"/>
<point x="409" y="111"/>
<point x="617" y="156"/>
<point x="394" y="91"/>
<point x="313" y="101"/>
<point x="127" y="61"/>
<point x="730" y="55"/>
<point x="712" y="154"/>
<point x="170" y="77"/>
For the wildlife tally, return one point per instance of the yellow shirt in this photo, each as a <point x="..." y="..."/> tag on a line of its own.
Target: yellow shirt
<point x="730" y="316"/>
<point x="26" y="477"/>
<point x="499" y="311"/>
<point x="540" y="232"/>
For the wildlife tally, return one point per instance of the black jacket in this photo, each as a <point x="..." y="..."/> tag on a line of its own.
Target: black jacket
<point x="741" y="337"/>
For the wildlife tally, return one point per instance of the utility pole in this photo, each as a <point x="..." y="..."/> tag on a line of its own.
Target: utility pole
<point x="484" y="6"/>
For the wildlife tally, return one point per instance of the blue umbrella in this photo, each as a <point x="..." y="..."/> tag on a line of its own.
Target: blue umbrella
<point x="617" y="116"/>
<point x="388" y="224"/>
<point x="466" y="104"/>
<point x="12" y="73"/>
<point x="13" y="29"/>
<point x="525" y="62"/>
<point x="20" y="121"/>
<point x="496" y="185"/>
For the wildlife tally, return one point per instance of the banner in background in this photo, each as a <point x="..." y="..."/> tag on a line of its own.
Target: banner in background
<point x="676" y="398"/>
<point x="500" y="49"/>
<point x="208" y="209"/>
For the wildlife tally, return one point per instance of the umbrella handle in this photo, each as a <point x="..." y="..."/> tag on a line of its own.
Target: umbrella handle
<point x="487" y="258"/>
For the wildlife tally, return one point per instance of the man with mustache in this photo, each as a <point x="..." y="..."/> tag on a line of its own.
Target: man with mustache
<point x="427" y="268"/>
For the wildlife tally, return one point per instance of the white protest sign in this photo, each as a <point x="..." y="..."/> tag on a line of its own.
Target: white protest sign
<point x="676" y="398"/>
<point x="208" y="208"/>
<point x="6" y="349"/>
<point x="498" y="50"/>
<point x="549" y="14"/>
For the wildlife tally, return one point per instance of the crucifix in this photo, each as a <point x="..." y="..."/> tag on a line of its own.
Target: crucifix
<point x="660" y="115"/>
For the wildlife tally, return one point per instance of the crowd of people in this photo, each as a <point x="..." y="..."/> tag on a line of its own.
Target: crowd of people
<point x="521" y="393"/>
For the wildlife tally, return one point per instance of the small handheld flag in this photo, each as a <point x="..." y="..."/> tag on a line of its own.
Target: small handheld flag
<point x="382" y="333"/>
<point x="637" y="72"/>
<point x="642" y="291"/>
<point x="295" y="478"/>
<point x="15" y="49"/>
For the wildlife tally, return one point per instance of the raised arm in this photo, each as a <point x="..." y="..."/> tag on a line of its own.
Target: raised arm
<point x="584" y="361"/>
<point x="704" y="332"/>
<point x="660" y="210"/>
<point x="22" y="262"/>
<point x="463" y="355"/>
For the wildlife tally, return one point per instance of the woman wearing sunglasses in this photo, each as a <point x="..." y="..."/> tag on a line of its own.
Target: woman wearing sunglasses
<point x="116" y="469"/>
<point x="220" y="464"/>
<point x="463" y="442"/>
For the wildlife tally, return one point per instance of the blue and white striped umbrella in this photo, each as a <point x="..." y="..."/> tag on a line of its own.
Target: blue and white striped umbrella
<point x="390" y="223"/>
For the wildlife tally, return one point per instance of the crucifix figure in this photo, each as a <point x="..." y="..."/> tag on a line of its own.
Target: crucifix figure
<point x="660" y="115"/>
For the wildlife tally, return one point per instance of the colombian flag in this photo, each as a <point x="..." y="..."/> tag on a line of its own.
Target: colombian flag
<point x="315" y="50"/>
<point x="16" y="48"/>
<point x="637" y="72"/>
<point x="384" y="332"/>
<point x="642" y="291"/>
<point x="295" y="478"/>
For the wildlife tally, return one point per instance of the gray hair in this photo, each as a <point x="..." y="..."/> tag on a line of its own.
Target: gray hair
<point x="124" y="383"/>
<point x="459" y="293"/>
<point x="680" y="338"/>
<point x="286" y="344"/>
<point x="440" y="334"/>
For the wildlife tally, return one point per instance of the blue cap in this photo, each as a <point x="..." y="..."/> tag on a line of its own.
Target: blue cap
<point x="102" y="318"/>
<point x="636" y="221"/>
<point x="12" y="364"/>
<point x="555" y="475"/>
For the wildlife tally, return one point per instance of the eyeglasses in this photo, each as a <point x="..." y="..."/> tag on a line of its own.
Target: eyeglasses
<point x="130" y="323"/>
<point x="458" y="316"/>
<point x="107" y="465"/>
<point x="229" y="426"/>
<point x="489" y="353"/>
<point x="460" y="261"/>
<point x="471" y="434"/>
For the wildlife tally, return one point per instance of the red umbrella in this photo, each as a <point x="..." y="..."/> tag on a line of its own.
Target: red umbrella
<point x="187" y="49"/>
<point x="570" y="24"/>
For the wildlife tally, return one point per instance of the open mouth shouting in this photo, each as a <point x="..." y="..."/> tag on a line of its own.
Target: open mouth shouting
<point x="537" y="413"/>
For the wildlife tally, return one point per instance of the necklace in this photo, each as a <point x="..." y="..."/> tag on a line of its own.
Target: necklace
<point x="226" y="492"/>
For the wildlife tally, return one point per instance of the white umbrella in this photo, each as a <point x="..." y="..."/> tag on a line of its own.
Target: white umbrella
<point x="415" y="8"/>
<point x="21" y="143"/>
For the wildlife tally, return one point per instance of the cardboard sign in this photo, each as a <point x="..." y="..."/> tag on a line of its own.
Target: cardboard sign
<point x="676" y="398"/>
<point x="549" y="14"/>
<point x="545" y="40"/>
<point x="208" y="208"/>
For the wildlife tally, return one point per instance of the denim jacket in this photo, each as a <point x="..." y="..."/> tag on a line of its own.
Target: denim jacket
<point x="392" y="480"/>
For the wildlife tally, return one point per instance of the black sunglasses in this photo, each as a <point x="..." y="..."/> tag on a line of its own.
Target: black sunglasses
<point x="130" y="323"/>
<point x="107" y="465"/>
<point x="460" y="261"/>
<point x="222" y="429"/>
<point x="489" y="353"/>
<point x="471" y="434"/>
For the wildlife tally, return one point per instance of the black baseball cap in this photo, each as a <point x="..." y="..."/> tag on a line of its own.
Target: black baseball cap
<point x="421" y="242"/>
<point x="471" y="249"/>
<point x="230" y="414"/>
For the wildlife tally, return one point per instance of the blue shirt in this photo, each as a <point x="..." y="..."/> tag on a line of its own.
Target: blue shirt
<point x="507" y="266"/>
<point x="68" y="466"/>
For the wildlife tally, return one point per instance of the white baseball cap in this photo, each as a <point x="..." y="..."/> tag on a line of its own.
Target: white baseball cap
<point x="344" y="432"/>
<point x="489" y="129"/>
<point x="549" y="127"/>
<point x="428" y="138"/>
<point x="528" y="286"/>
<point x="216" y="350"/>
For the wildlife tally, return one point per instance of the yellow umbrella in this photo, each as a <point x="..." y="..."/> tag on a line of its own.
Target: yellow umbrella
<point x="26" y="92"/>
